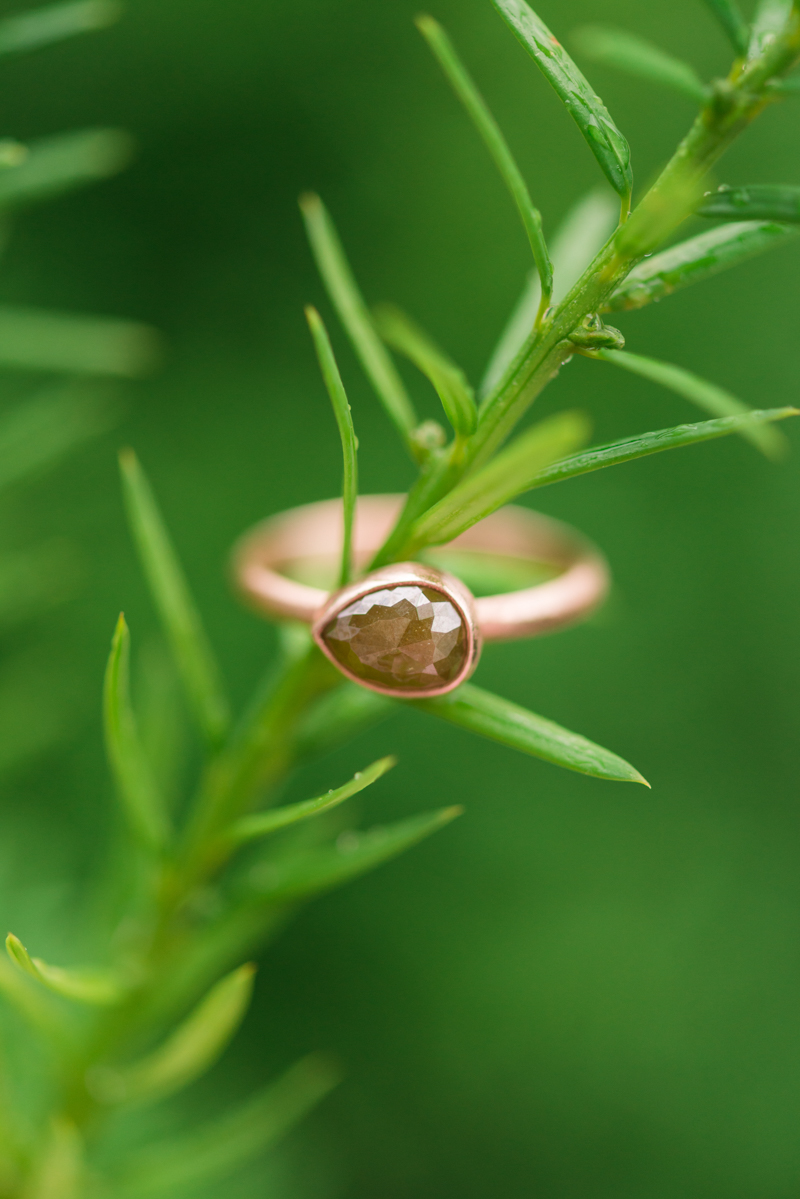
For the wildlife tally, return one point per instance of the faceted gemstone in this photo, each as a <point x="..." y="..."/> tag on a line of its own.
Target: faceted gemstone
<point x="405" y="638"/>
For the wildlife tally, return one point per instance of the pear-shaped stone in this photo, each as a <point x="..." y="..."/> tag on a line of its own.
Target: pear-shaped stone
<point x="405" y="638"/>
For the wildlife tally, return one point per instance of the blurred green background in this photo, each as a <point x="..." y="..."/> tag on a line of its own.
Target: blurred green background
<point x="579" y="989"/>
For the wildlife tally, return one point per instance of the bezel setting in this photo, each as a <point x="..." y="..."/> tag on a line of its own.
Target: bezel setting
<point x="389" y="578"/>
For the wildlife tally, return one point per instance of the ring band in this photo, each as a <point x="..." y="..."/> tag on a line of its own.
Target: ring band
<point x="361" y="627"/>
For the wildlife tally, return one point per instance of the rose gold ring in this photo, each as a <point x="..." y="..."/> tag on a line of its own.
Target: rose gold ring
<point x="413" y="629"/>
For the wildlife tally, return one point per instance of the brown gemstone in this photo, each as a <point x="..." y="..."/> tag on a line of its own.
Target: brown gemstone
<point x="405" y="638"/>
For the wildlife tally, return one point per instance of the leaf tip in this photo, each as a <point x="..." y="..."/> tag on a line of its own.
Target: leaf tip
<point x="426" y="24"/>
<point x="19" y="954"/>
<point x="128" y="461"/>
<point x="310" y="203"/>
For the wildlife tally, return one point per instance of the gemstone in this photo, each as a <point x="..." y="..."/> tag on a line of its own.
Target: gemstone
<point x="404" y="638"/>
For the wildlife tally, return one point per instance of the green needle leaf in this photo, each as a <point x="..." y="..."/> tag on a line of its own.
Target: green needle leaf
<point x="584" y="230"/>
<point x="251" y="828"/>
<point x="758" y="202"/>
<point x="353" y="854"/>
<point x="59" y="164"/>
<point x="495" y="143"/>
<point x="344" y="419"/>
<point x="39" y="340"/>
<point x="636" y="56"/>
<point x="354" y="315"/>
<point x="730" y="18"/>
<point x="769" y="22"/>
<point x="698" y="391"/>
<point x="54" y="22"/>
<point x="694" y="260"/>
<point x="195" y="1045"/>
<point x="36" y="1008"/>
<point x="135" y="784"/>
<point x="449" y="381"/>
<point x="587" y="110"/>
<point x="210" y="1153"/>
<point x="511" y="472"/>
<point x="788" y="87"/>
<point x="98" y="988"/>
<point x="58" y="1167"/>
<point x="173" y="600"/>
<point x="653" y="443"/>
<point x="498" y="719"/>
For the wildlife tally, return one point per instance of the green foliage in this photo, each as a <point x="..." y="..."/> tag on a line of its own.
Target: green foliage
<point x="632" y="54"/>
<point x="730" y="18"/>
<point x="31" y="339"/>
<point x="136" y="787"/>
<point x="194" y="1045"/>
<point x="654" y="443"/>
<point x="695" y="260"/>
<point x="312" y="871"/>
<point x="54" y="22"/>
<point x="354" y="315"/>
<point x="62" y="163"/>
<point x="344" y="419"/>
<point x="705" y="395"/>
<point x="758" y="202"/>
<point x="252" y="828"/>
<point x="179" y="616"/>
<point x="95" y="987"/>
<point x="582" y="234"/>
<point x="212" y="1152"/>
<point x="498" y="719"/>
<point x="511" y="473"/>
<point x="497" y="146"/>
<point x="214" y="870"/>
<point x="576" y="94"/>
<point x="448" y="380"/>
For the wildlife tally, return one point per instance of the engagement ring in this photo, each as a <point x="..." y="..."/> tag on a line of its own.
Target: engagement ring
<point x="414" y="629"/>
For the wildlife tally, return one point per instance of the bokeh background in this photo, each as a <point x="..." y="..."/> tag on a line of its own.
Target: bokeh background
<point x="579" y="989"/>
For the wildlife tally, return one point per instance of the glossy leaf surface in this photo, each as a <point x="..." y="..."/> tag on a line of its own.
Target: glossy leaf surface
<point x="250" y="828"/>
<point x="769" y="21"/>
<point x="654" y="443"/>
<point x="586" y="108"/>
<point x="758" y="202"/>
<point x="705" y="395"/>
<point x="500" y="720"/>
<point x="694" y="260"/>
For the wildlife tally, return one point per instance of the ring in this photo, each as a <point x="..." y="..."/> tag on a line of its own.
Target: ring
<point x="414" y="629"/>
